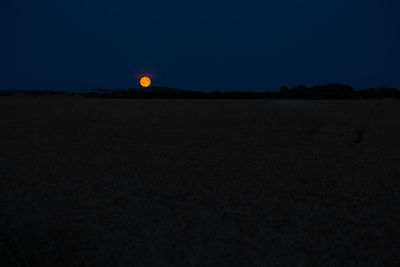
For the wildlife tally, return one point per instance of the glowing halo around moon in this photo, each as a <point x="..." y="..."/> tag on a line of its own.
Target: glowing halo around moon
<point x="145" y="82"/>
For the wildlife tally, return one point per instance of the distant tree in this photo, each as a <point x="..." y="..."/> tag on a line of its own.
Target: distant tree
<point x="284" y="89"/>
<point x="299" y="88"/>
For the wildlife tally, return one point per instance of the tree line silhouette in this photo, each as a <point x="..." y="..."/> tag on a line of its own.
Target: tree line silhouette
<point x="330" y="91"/>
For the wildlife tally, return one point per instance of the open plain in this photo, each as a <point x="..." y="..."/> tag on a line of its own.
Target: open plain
<point x="124" y="182"/>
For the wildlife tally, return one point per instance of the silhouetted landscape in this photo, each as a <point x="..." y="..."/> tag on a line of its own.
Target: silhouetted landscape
<point x="89" y="180"/>
<point x="330" y="91"/>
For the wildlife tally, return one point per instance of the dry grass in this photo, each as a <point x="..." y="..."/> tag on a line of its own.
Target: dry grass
<point x="199" y="182"/>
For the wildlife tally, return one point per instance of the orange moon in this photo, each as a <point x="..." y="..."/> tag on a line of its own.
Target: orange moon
<point x="145" y="81"/>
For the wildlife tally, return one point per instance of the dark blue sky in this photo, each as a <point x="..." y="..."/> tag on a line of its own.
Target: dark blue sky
<point x="208" y="44"/>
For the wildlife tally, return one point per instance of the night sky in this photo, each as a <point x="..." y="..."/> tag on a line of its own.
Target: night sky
<point x="199" y="45"/>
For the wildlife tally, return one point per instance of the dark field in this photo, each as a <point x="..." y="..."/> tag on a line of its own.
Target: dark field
<point x="199" y="182"/>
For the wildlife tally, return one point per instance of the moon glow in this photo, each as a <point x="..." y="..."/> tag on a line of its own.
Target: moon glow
<point x="145" y="82"/>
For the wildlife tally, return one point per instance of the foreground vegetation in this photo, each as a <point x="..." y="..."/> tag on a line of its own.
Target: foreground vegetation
<point x="199" y="182"/>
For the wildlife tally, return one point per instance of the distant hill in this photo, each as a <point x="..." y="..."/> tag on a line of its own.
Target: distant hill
<point x="320" y="91"/>
<point x="324" y="89"/>
<point x="137" y="92"/>
<point x="329" y="91"/>
<point x="158" y="90"/>
<point x="31" y="92"/>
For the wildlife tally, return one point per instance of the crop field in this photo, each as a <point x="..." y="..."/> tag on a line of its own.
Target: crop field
<point x="130" y="182"/>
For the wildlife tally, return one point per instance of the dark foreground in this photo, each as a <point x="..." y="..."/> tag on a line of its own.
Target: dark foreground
<point x="108" y="182"/>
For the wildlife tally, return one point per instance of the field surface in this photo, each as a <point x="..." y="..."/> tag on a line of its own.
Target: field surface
<point x="103" y="182"/>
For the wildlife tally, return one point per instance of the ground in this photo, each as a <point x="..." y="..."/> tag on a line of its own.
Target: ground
<point x="125" y="182"/>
